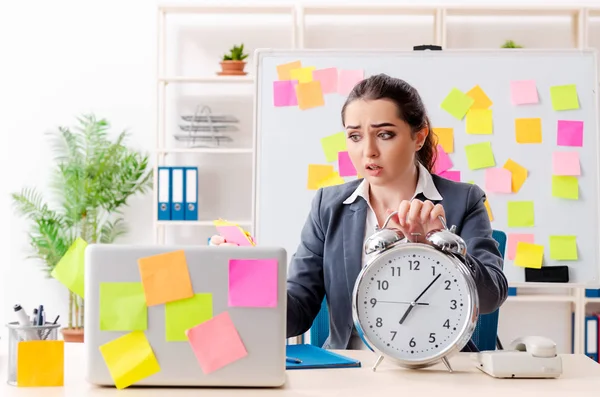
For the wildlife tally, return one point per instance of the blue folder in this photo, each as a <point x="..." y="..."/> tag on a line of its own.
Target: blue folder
<point x="315" y="357"/>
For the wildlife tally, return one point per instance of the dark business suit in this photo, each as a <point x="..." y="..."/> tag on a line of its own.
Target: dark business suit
<point x="329" y="257"/>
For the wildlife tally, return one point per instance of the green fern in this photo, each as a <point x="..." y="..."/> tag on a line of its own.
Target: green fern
<point x="510" y="44"/>
<point x="236" y="53"/>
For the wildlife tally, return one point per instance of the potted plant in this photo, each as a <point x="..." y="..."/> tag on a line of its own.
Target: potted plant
<point x="233" y="63"/>
<point x="91" y="182"/>
<point x="510" y="44"/>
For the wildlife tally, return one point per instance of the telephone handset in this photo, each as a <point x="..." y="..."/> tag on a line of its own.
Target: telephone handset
<point x="526" y="357"/>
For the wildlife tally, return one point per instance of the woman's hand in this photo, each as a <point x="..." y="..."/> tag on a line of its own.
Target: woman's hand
<point x="217" y="240"/>
<point x="417" y="218"/>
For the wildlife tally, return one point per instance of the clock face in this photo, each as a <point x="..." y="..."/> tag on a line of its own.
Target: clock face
<point x="413" y="303"/>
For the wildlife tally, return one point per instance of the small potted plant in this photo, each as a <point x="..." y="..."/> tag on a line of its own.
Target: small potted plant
<point x="233" y="63"/>
<point x="510" y="44"/>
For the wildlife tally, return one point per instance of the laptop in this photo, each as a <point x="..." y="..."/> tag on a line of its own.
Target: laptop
<point x="145" y="325"/>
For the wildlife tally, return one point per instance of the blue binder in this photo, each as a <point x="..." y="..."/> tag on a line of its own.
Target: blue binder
<point x="591" y="337"/>
<point x="191" y="193"/>
<point x="177" y="193"/>
<point x="315" y="357"/>
<point x="164" y="194"/>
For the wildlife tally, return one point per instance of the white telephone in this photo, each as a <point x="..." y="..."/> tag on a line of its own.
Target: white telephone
<point x="527" y="357"/>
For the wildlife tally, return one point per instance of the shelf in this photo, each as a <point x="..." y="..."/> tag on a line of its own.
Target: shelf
<point x="206" y="151"/>
<point x="592" y="300"/>
<point x="208" y="79"/>
<point x="226" y="8"/>
<point x="368" y="9"/>
<point x="199" y="223"/>
<point x="541" y="298"/>
<point x="547" y="285"/>
<point x="511" y="10"/>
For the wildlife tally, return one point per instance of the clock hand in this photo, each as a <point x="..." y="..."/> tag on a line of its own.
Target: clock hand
<point x="414" y="303"/>
<point x="406" y="303"/>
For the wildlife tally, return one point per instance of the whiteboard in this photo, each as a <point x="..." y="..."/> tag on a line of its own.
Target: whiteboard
<point x="288" y="139"/>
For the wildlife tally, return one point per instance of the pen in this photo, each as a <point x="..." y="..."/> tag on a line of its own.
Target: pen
<point x="47" y="333"/>
<point x="293" y="360"/>
<point x="40" y="319"/>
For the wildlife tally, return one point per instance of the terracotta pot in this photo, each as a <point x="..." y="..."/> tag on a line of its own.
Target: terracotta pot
<point x="232" y="68"/>
<point x="73" y="335"/>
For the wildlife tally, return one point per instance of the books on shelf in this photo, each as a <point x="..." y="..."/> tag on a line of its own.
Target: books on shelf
<point x="177" y="193"/>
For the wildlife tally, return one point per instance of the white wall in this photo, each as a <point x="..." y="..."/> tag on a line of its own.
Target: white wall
<point x="69" y="57"/>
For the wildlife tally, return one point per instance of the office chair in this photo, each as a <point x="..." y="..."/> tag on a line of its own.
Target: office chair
<point x="485" y="336"/>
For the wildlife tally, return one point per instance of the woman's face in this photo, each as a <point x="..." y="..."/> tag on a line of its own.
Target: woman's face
<point x="380" y="144"/>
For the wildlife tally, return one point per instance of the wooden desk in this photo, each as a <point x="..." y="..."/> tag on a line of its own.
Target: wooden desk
<point x="581" y="377"/>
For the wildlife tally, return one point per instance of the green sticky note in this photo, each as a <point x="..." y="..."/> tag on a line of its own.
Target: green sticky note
<point x="184" y="314"/>
<point x="564" y="97"/>
<point x="457" y="103"/>
<point x="123" y="307"/>
<point x="69" y="270"/>
<point x="563" y="248"/>
<point x="565" y="187"/>
<point x="333" y="144"/>
<point x="480" y="155"/>
<point x="520" y="214"/>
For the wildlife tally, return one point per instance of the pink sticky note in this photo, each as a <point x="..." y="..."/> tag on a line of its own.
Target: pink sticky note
<point x="253" y="282"/>
<point x="443" y="162"/>
<point x="284" y="93"/>
<point x="523" y="92"/>
<point x="347" y="79"/>
<point x="498" y="180"/>
<point x="453" y="175"/>
<point x="216" y="343"/>
<point x="345" y="166"/>
<point x="570" y="133"/>
<point x="328" y="78"/>
<point x="513" y="239"/>
<point x="566" y="163"/>
<point x="233" y="234"/>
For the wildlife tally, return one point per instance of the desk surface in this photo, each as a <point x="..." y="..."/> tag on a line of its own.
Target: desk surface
<point x="581" y="377"/>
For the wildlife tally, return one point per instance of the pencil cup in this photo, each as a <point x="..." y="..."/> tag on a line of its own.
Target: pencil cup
<point x="30" y="333"/>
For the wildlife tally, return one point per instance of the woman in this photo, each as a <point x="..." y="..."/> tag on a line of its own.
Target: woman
<point x="390" y="142"/>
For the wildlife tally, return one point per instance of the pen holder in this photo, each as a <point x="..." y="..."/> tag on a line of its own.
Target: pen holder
<point x="40" y="353"/>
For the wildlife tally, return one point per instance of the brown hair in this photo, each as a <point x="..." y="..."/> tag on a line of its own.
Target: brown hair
<point x="410" y="109"/>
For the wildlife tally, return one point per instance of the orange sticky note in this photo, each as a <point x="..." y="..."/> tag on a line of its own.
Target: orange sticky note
<point x="165" y="278"/>
<point x="40" y="363"/>
<point x="529" y="255"/>
<point x="445" y="138"/>
<point x="283" y="71"/>
<point x="310" y="95"/>
<point x="489" y="210"/>
<point x="528" y="130"/>
<point x="519" y="174"/>
<point x="482" y="101"/>
<point x="317" y="173"/>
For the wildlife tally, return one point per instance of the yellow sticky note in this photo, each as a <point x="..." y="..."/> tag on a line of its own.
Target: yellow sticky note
<point x="520" y="214"/>
<point x="563" y="248"/>
<point x="519" y="174"/>
<point x="310" y="95"/>
<point x="489" y="210"/>
<point x="40" y="363"/>
<point x="303" y="75"/>
<point x="479" y="121"/>
<point x="482" y="101"/>
<point x="529" y="255"/>
<point x="564" y="97"/>
<point x="480" y="155"/>
<point x="333" y="144"/>
<point x="283" y="71"/>
<point x="445" y="138"/>
<point x="528" y="130"/>
<point x="70" y="269"/>
<point x="129" y="359"/>
<point x="317" y="173"/>
<point x="565" y="187"/>
<point x="332" y="180"/>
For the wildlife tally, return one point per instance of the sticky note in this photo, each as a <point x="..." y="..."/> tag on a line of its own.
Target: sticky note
<point x="498" y="180"/>
<point x="345" y="166"/>
<point x="165" y="277"/>
<point x="332" y="145"/>
<point x="480" y="155"/>
<point x="570" y="133"/>
<point x="523" y="92"/>
<point x="566" y="163"/>
<point x="520" y="214"/>
<point x="216" y="343"/>
<point x="332" y="180"/>
<point x="184" y="314"/>
<point x="317" y="173"/>
<point x="70" y="269"/>
<point x="40" y="363"/>
<point x="283" y="71"/>
<point x="328" y="78"/>
<point x="445" y="138"/>
<point x="284" y="93"/>
<point x="442" y="161"/>
<point x="123" y="307"/>
<point x="235" y="234"/>
<point x="513" y="239"/>
<point x="529" y="255"/>
<point x="528" y="130"/>
<point x="453" y="175"/>
<point x="564" y="97"/>
<point x="486" y="203"/>
<point x="309" y="95"/>
<point x="129" y="359"/>
<point x="302" y="75"/>
<point x="479" y="121"/>
<point x="518" y="174"/>
<point x="457" y="103"/>
<point x="565" y="187"/>
<point x="252" y="283"/>
<point x="481" y="100"/>
<point x="347" y="79"/>
<point x="563" y="248"/>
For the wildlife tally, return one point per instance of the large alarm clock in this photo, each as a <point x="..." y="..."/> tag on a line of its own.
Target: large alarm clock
<point x="415" y="303"/>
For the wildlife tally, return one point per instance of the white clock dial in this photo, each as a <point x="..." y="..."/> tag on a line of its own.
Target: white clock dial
<point x="413" y="303"/>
